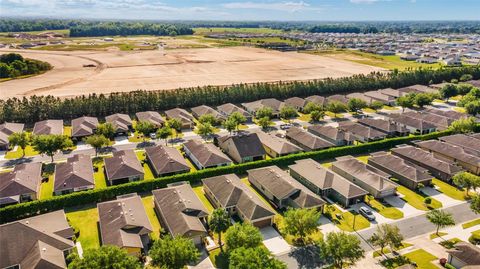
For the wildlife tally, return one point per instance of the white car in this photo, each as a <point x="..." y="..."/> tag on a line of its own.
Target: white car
<point x="367" y="213"/>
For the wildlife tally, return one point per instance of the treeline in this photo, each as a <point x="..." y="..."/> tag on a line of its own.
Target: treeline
<point x="35" y="108"/>
<point x="129" y="28"/>
<point x="336" y="28"/>
<point x="13" y="65"/>
<point x="27" y="25"/>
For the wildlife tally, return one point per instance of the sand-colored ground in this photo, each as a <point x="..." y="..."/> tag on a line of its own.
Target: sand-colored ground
<point x="168" y="69"/>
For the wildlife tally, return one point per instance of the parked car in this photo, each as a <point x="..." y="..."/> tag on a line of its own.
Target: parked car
<point x="367" y="213"/>
<point x="153" y="136"/>
<point x="285" y="126"/>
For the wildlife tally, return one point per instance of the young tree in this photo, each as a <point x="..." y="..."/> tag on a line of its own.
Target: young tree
<point x="473" y="107"/>
<point x="340" y="247"/>
<point x="242" y="235"/>
<point x="208" y="118"/>
<point x="219" y="222"/>
<point x="336" y="107"/>
<point x="288" y="112"/>
<point x="447" y="91"/>
<point x="97" y="142"/>
<point x="264" y="122"/>
<point x="173" y="253"/>
<point x="50" y="144"/>
<point x="376" y="105"/>
<point x="464" y="125"/>
<point x="230" y="125"/>
<point x="22" y="140"/>
<point x="257" y="257"/>
<point x="264" y="112"/>
<point x="175" y="124"/>
<point x="238" y="118"/>
<point x="164" y="133"/>
<point x="145" y="128"/>
<point x="466" y="180"/>
<point x="317" y="115"/>
<point x="440" y="219"/>
<point x="464" y="88"/>
<point x="205" y="129"/>
<point x="105" y="257"/>
<point x="106" y="129"/>
<point x="310" y="106"/>
<point x="355" y="104"/>
<point x="387" y="235"/>
<point x="423" y="99"/>
<point x="406" y="101"/>
<point x="301" y="222"/>
<point x="475" y="203"/>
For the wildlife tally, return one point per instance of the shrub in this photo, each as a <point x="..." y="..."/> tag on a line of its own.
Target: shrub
<point x="427" y="200"/>
<point x="449" y="266"/>
<point x="474" y="239"/>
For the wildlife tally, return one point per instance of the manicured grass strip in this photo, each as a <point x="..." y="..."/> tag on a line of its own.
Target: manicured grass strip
<point x="148" y="174"/>
<point x="449" y="190"/>
<point x="46" y="188"/>
<point x="384" y="210"/>
<point x="67" y="130"/>
<point x="460" y="109"/>
<point x="333" y="115"/>
<point x="29" y="151"/>
<point x="85" y="218"/>
<point x="450" y="243"/>
<point x="304" y="117"/>
<point x="387" y="250"/>
<point x="363" y="159"/>
<point x="99" y="175"/>
<point x="368" y="110"/>
<point x="416" y="200"/>
<point x="152" y="216"/>
<point x="471" y="223"/>
<point x="345" y="222"/>
<point x="390" y="108"/>
<point x="440" y="234"/>
<point x="422" y="258"/>
<point x="199" y="192"/>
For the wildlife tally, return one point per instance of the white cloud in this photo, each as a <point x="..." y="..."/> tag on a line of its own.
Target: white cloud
<point x="289" y="6"/>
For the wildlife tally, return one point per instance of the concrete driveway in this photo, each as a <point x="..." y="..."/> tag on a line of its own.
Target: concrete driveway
<point x="444" y="199"/>
<point x="400" y="204"/>
<point x="379" y="219"/>
<point x="274" y="242"/>
<point x="326" y="226"/>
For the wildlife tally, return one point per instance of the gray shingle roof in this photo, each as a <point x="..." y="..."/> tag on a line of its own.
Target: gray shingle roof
<point x="273" y="103"/>
<point x="47" y="127"/>
<point x="450" y="150"/>
<point x="330" y="132"/>
<point x="317" y="99"/>
<point x="295" y="102"/>
<point x="151" y="116"/>
<point x="123" y="164"/>
<point x="25" y="178"/>
<point x="246" y="144"/>
<point x="84" y="126"/>
<point x="400" y="166"/>
<point x="229" y="108"/>
<point x="277" y="144"/>
<point x="466" y="252"/>
<point x="307" y="139"/>
<point x="8" y="128"/>
<point x="469" y="143"/>
<point x="199" y="111"/>
<point x="206" y="153"/>
<point x="383" y="125"/>
<point x="166" y="160"/>
<point x="77" y="172"/>
<point x="121" y="122"/>
<point x="361" y="130"/>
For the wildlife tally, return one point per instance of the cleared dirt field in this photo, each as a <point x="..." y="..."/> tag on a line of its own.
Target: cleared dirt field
<point x="169" y="69"/>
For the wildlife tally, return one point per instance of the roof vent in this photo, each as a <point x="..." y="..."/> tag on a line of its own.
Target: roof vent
<point x="27" y="222"/>
<point x="44" y="249"/>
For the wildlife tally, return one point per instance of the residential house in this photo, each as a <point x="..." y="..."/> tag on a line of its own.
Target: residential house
<point x="361" y="132"/>
<point x="326" y="183"/>
<point x="423" y="88"/>
<point x="306" y="140"/>
<point x="229" y="108"/>
<point x="84" y="126"/>
<point x="438" y="168"/>
<point x="438" y="86"/>
<point x="180" y="212"/>
<point x="272" y="103"/>
<point x="408" y="174"/>
<point x="48" y="127"/>
<point x="361" y="96"/>
<point x="332" y="134"/>
<point x="276" y="146"/>
<point x="452" y="114"/>
<point x="74" y="175"/>
<point x="181" y="114"/>
<point x="317" y="99"/>
<point x="166" y="161"/>
<point x="199" y="111"/>
<point x="391" y="92"/>
<point x="121" y="123"/>
<point x="205" y="155"/>
<point x="123" y="167"/>
<point x="469" y="143"/>
<point x="385" y="126"/>
<point x="414" y="125"/>
<point x="365" y="176"/>
<point x="22" y="184"/>
<point x="474" y="83"/>
<point x="440" y="122"/>
<point x="7" y="129"/>
<point x="42" y="241"/>
<point x="296" y="102"/>
<point x="426" y="60"/>
<point x="337" y="98"/>
<point x="124" y="223"/>
<point x="380" y="97"/>
<point x="242" y="147"/>
<point x="449" y="152"/>
<point x="464" y="255"/>
<point x="151" y="116"/>
<point x="282" y="190"/>
<point x="229" y="193"/>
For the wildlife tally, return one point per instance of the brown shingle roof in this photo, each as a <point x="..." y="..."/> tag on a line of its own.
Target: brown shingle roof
<point x="77" y="172"/>
<point x="181" y="210"/>
<point x="450" y="150"/>
<point x="438" y="121"/>
<point x="84" y="126"/>
<point x="325" y="179"/>
<point x="246" y="144"/>
<point x="411" y="121"/>
<point x="360" y="96"/>
<point x="123" y="221"/>
<point x="400" y="166"/>
<point x="469" y="143"/>
<point x="199" y="111"/>
<point x="452" y="114"/>
<point x="391" y="92"/>
<point x="317" y="99"/>
<point x="383" y="125"/>
<point x="466" y="252"/>
<point x="337" y="98"/>
<point x="181" y="114"/>
<point x="277" y="144"/>
<point x="307" y="139"/>
<point x="361" y="130"/>
<point x="121" y="122"/>
<point x="151" y="116"/>
<point x="230" y="191"/>
<point x="330" y="132"/>
<point x="379" y="96"/>
<point x="25" y="178"/>
<point x="295" y="102"/>
<point x="273" y="103"/>
<point x="229" y="108"/>
<point x="47" y="127"/>
<point x="206" y="153"/>
<point x="123" y="164"/>
<point x="8" y="128"/>
<point x="166" y="160"/>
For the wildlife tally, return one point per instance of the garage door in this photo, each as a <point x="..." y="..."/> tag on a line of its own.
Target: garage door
<point x="263" y="223"/>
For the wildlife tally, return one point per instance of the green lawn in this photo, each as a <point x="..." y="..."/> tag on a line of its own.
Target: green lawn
<point x="449" y="190"/>
<point x="137" y="138"/>
<point x="314" y="237"/>
<point x="387" y="250"/>
<point x="440" y="234"/>
<point x="332" y="115"/>
<point x="99" y="176"/>
<point x="67" y="130"/>
<point x="422" y="258"/>
<point x="416" y="200"/>
<point x="384" y="210"/>
<point x="369" y="110"/>
<point x="209" y="30"/>
<point x="146" y="167"/>
<point x="85" y="218"/>
<point x="363" y="159"/>
<point x="390" y="108"/>
<point x="219" y="259"/>
<point x="199" y="192"/>
<point x="345" y="222"/>
<point x="152" y="216"/>
<point x="304" y="117"/>
<point x="471" y="224"/>
<point x="46" y="188"/>
<point x="450" y="243"/>
<point x="460" y="109"/>
<point x="29" y="151"/>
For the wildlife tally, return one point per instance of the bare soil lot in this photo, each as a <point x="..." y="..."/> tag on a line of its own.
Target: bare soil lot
<point x="117" y="71"/>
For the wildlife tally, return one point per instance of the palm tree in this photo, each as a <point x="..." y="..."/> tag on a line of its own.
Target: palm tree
<point x="219" y="222"/>
<point x="440" y="219"/>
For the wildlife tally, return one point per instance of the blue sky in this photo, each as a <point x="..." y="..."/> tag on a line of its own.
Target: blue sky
<point x="321" y="10"/>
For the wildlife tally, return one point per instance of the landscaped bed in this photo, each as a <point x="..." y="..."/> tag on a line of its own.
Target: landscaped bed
<point x="345" y="219"/>
<point x="387" y="250"/>
<point x="85" y="218"/>
<point x="416" y="200"/>
<point x="387" y="211"/>
<point x="422" y="258"/>
<point x="471" y="223"/>
<point x="449" y="190"/>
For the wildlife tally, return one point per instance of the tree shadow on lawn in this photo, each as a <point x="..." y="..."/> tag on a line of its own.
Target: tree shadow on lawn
<point x="307" y="257"/>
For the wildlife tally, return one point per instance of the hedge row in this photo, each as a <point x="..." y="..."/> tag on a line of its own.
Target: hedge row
<point x="19" y="211"/>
